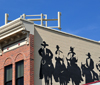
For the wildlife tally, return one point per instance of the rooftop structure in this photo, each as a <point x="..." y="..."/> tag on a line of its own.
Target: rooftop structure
<point x="32" y="54"/>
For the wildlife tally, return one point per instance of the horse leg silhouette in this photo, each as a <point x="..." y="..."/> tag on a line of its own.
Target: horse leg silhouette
<point x="51" y="79"/>
<point x="60" y="82"/>
<point x="65" y="83"/>
<point x="46" y="80"/>
<point x="95" y="76"/>
<point x="72" y="82"/>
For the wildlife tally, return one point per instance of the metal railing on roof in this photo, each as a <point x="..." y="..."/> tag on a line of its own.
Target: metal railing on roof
<point x="39" y="19"/>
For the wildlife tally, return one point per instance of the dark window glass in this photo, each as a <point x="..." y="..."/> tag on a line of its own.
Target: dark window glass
<point x="8" y="75"/>
<point x="19" y="73"/>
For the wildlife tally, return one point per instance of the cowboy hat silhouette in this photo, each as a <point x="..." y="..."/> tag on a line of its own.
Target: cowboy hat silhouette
<point x="71" y="49"/>
<point x="88" y="54"/>
<point x="57" y="46"/>
<point x="44" y="44"/>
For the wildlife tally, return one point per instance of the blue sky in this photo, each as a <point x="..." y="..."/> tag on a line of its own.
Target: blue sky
<point x="79" y="17"/>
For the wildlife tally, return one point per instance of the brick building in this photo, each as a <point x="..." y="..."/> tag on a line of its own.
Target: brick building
<point x="17" y="50"/>
<point x="32" y="54"/>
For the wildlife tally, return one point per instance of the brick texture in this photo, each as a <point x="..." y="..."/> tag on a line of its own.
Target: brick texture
<point x="25" y="53"/>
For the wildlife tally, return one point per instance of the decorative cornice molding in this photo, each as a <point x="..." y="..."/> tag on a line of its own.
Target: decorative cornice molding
<point x="15" y="26"/>
<point x="15" y="30"/>
<point x="4" y="29"/>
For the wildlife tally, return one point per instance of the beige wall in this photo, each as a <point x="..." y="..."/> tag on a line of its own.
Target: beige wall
<point x="53" y="38"/>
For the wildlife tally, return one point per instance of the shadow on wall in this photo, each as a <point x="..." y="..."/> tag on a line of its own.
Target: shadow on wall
<point x="62" y="74"/>
<point x="37" y="42"/>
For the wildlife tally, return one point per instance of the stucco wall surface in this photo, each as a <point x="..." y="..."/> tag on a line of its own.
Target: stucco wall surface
<point x="74" y="64"/>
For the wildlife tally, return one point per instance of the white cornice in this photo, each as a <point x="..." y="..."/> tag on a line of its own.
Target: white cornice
<point x="23" y="24"/>
<point x="13" y="22"/>
<point x="14" y="27"/>
<point x="10" y="31"/>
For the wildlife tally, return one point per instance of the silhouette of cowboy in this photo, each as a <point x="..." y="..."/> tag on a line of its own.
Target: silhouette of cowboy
<point x="73" y="69"/>
<point x="46" y="68"/>
<point x="58" y="51"/>
<point x="71" y="53"/>
<point x="98" y="68"/>
<point x="89" y="62"/>
<point x="72" y="57"/>
<point x="90" y="67"/>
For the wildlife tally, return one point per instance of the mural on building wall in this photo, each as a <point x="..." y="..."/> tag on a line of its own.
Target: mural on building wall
<point x="64" y="74"/>
<point x="87" y="70"/>
<point x="46" y="67"/>
<point x="73" y="68"/>
<point x="98" y="68"/>
<point x="60" y="72"/>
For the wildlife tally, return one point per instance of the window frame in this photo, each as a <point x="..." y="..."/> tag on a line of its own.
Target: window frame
<point x="5" y="82"/>
<point x="16" y="79"/>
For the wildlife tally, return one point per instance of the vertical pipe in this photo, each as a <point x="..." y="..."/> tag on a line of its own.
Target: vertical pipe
<point x="41" y="19"/>
<point x="46" y="21"/>
<point x="24" y="16"/>
<point x="6" y="18"/>
<point x="59" y="20"/>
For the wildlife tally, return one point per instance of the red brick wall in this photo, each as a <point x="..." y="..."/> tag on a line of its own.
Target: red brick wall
<point x="25" y="53"/>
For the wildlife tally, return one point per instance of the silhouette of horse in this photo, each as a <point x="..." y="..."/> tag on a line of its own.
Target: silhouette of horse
<point x="64" y="75"/>
<point x="90" y="76"/>
<point x="61" y="74"/>
<point x="47" y="70"/>
<point x="74" y="71"/>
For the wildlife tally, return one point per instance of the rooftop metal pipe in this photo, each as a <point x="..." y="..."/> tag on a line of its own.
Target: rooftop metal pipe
<point x="6" y="18"/>
<point x="41" y="19"/>
<point x="59" y="20"/>
<point x="24" y="16"/>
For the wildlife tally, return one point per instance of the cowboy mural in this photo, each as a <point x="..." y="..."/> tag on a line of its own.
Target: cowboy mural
<point x="60" y="72"/>
<point x="73" y="69"/>
<point x="98" y="67"/>
<point x="87" y="69"/>
<point x="46" y="67"/>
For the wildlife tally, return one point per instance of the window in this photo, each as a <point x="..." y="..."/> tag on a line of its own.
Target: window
<point x="20" y="73"/>
<point x="8" y="75"/>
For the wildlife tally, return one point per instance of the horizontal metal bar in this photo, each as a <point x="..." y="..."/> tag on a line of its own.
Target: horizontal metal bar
<point x="33" y="15"/>
<point x="34" y="19"/>
<point x="43" y="19"/>
<point x="53" y="27"/>
<point x="36" y="15"/>
<point x="50" y="19"/>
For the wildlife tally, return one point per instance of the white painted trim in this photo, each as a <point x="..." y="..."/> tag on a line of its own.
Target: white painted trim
<point x="16" y="26"/>
<point x="27" y="38"/>
<point x="10" y="27"/>
<point x="14" y="21"/>
<point x="14" y="46"/>
<point x="12" y="33"/>
<point x="20" y="19"/>
<point x="47" y="28"/>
